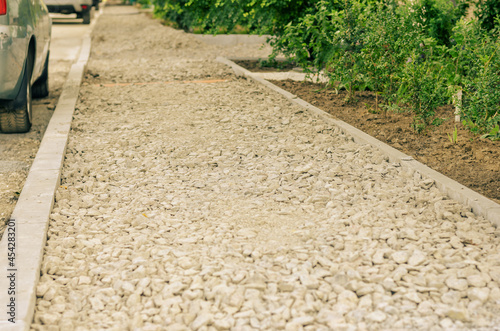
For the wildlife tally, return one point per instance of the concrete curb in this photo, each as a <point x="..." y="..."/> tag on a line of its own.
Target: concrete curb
<point x="479" y="204"/>
<point x="32" y="212"/>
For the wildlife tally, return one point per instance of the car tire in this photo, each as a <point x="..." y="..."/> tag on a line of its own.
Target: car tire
<point x="18" y="117"/>
<point x="41" y="86"/>
<point x="86" y="16"/>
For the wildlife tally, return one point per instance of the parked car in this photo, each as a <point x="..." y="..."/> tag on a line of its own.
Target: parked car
<point x="82" y="8"/>
<point x="95" y="3"/>
<point x="25" y="32"/>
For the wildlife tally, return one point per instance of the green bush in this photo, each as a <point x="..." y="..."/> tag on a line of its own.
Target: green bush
<point x="182" y="13"/>
<point x="399" y="51"/>
<point x="415" y="54"/>
<point x="389" y="41"/>
<point x="144" y="3"/>
<point x="216" y="16"/>
<point x="346" y="66"/>
<point x="308" y="42"/>
<point x="488" y="14"/>
<point x="478" y="60"/>
<point x="422" y="88"/>
<point x="437" y="18"/>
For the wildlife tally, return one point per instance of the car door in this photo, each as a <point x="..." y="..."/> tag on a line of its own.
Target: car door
<point x="14" y="47"/>
<point x="41" y="29"/>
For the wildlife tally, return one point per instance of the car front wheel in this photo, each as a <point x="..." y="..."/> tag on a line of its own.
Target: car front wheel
<point x="17" y="118"/>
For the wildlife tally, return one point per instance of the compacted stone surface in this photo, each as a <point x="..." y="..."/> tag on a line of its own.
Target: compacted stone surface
<point x="219" y="205"/>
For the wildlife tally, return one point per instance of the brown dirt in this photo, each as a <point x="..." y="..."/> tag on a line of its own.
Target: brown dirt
<point x="471" y="161"/>
<point x="258" y="66"/>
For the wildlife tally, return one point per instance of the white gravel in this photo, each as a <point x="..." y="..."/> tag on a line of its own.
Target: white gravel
<point x="222" y="206"/>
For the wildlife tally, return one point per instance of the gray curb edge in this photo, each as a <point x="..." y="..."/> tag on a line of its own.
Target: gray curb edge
<point x="479" y="204"/>
<point x="32" y="211"/>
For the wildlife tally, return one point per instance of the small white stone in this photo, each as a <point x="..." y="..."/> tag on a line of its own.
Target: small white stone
<point x="237" y="299"/>
<point x="478" y="293"/>
<point x="286" y="287"/>
<point x="495" y="294"/>
<point x="376" y="316"/>
<point x="303" y="320"/>
<point x="389" y="284"/>
<point x="69" y="242"/>
<point x="417" y="258"/>
<point x="460" y="314"/>
<point x="379" y="257"/>
<point x="364" y="290"/>
<point x="185" y="262"/>
<point x="201" y="320"/>
<point x="49" y="318"/>
<point x="133" y="300"/>
<point x="222" y="324"/>
<point x="50" y="294"/>
<point x="84" y="280"/>
<point x="304" y="168"/>
<point x="58" y="308"/>
<point x="457" y="284"/>
<point x="41" y="289"/>
<point x="96" y="304"/>
<point x="446" y="323"/>
<point x="128" y="287"/>
<point x="494" y="272"/>
<point x="451" y="297"/>
<point x="413" y="296"/>
<point x="66" y="324"/>
<point x="365" y="302"/>
<point x="426" y="307"/>
<point x="247" y="233"/>
<point x="348" y="297"/>
<point x="188" y="318"/>
<point x="137" y="321"/>
<point x="309" y="282"/>
<point x="400" y="257"/>
<point x="476" y="280"/>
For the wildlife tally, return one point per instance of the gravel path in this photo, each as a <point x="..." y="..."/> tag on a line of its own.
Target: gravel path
<point x="219" y="205"/>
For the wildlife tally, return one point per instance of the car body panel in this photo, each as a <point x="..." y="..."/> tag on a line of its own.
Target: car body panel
<point x="67" y="6"/>
<point x="27" y="21"/>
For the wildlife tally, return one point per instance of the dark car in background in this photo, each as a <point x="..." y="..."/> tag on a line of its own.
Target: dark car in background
<point x="25" y="32"/>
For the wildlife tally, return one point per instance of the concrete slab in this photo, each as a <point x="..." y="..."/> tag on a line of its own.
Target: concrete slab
<point x="478" y="204"/>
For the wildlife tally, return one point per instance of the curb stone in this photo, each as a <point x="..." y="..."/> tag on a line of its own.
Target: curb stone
<point x="478" y="204"/>
<point x="32" y="211"/>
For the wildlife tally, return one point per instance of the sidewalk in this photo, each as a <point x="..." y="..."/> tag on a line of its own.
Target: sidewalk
<point x="194" y="200"/>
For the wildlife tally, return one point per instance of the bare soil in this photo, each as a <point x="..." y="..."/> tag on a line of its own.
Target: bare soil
<point x="471" y="161"/>
<point x="263" y="66"/>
